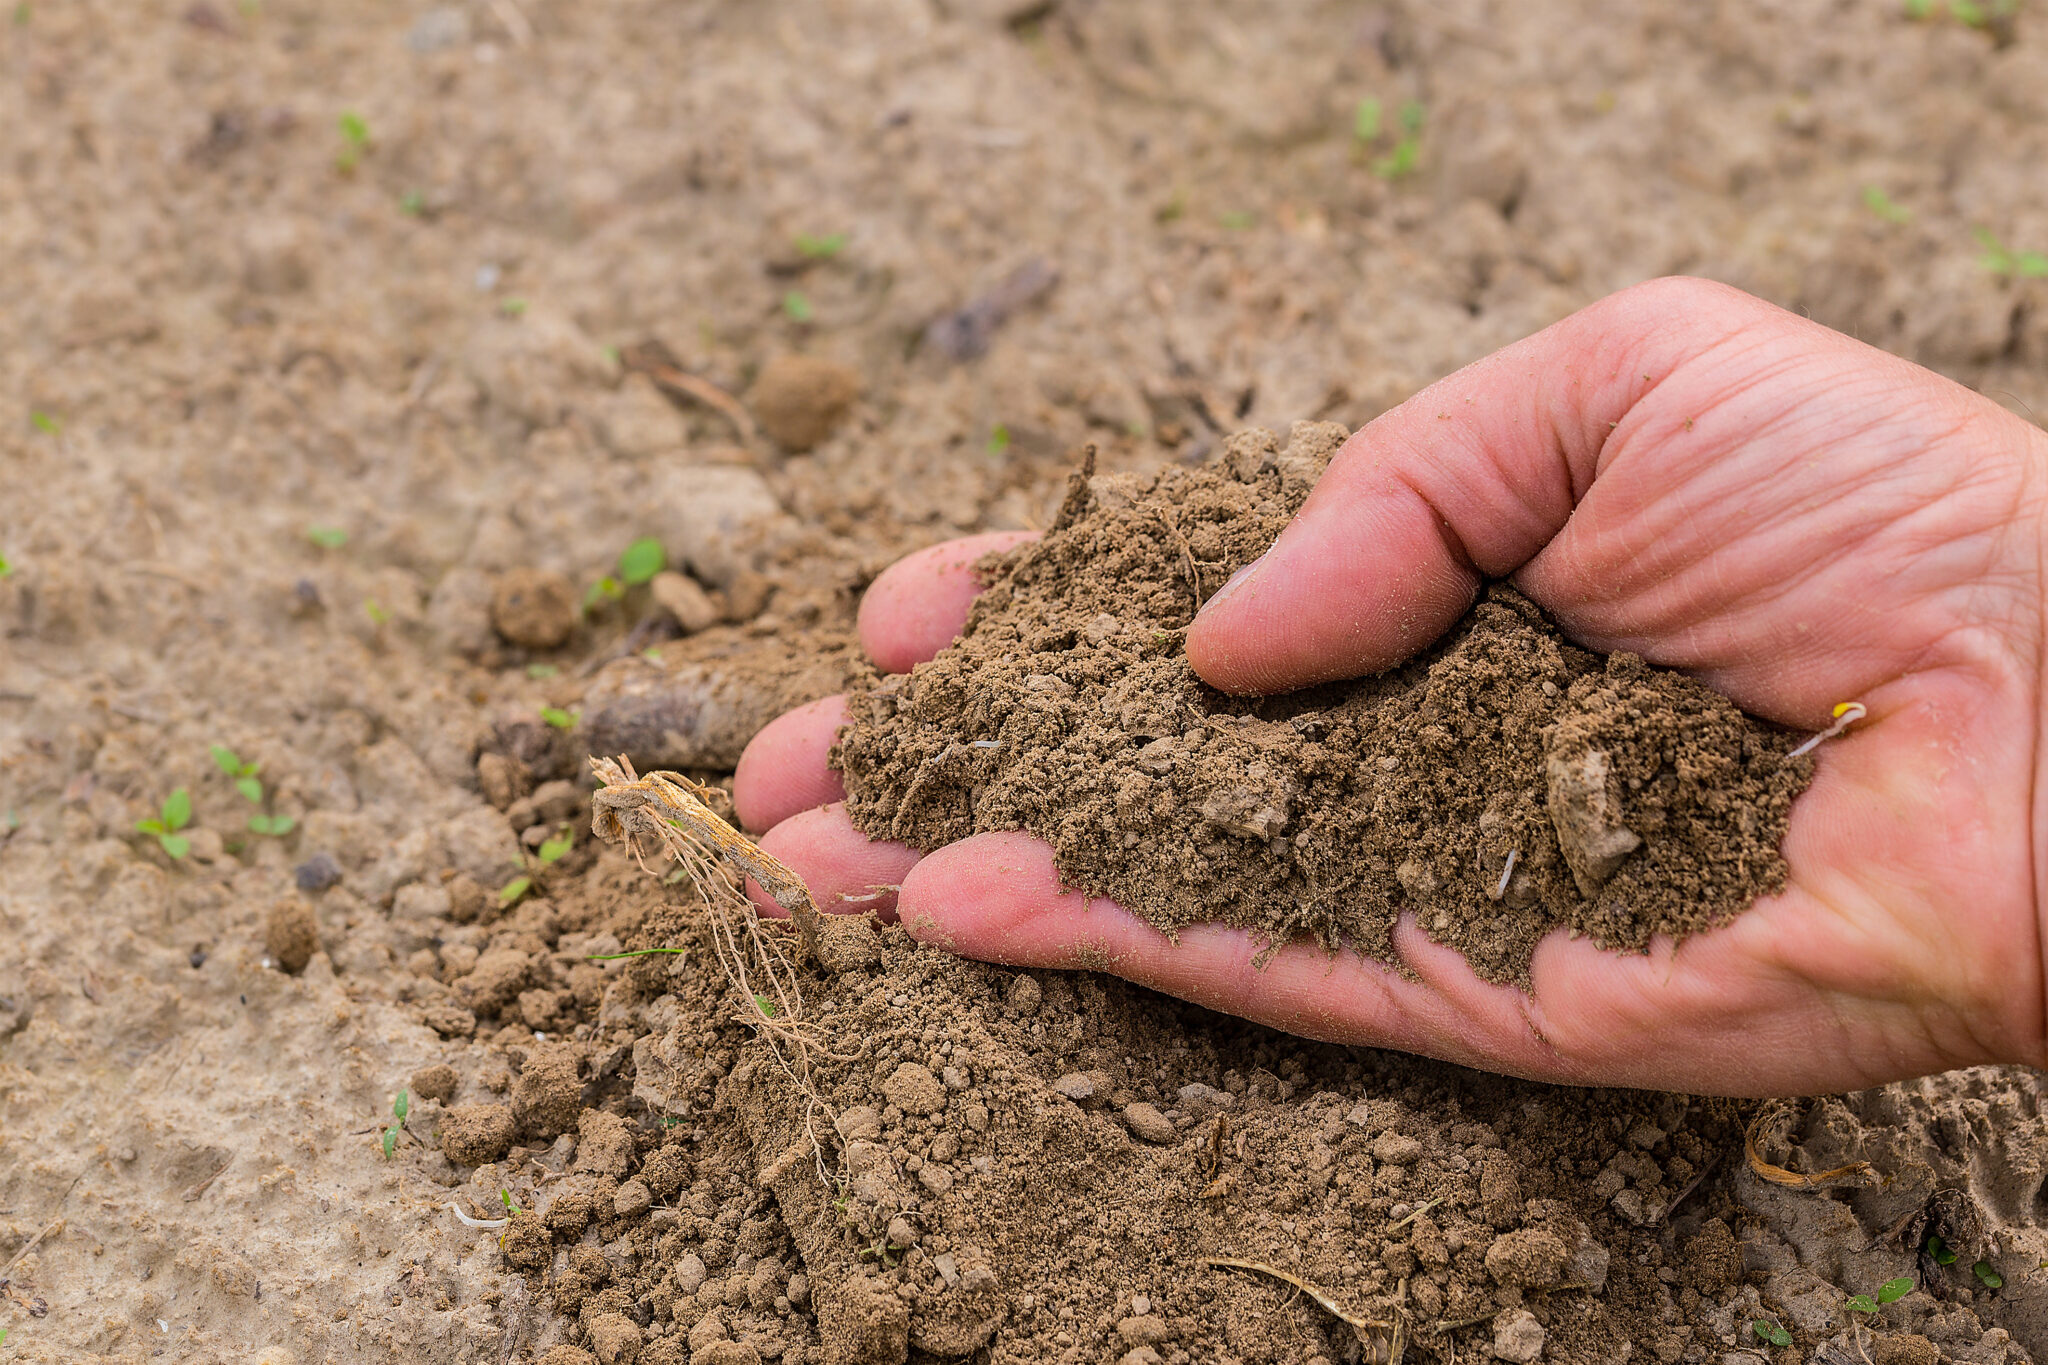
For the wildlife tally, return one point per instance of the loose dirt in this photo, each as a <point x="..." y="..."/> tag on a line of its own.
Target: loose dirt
<point x="304" y="432"/>
<point x="1503" y="784"/>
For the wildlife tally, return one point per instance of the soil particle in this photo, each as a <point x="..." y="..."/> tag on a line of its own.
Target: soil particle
<point x="436" y="1082"/>
<point x="615" y="1339"/>
<point x="1529" y="1258"/>
<point x="525" y="1241"/>
<point x="472" y="1134"/>
<point x="800" y="399"/>
<point x="317" y="873"/>
<point x="1147" y="1123"/>
<point x="549" y="1094"/>
<point x="1502" y="784"/>
<point x="567" y="1355"/>
<point x="1716" y="1258"/>
<point x="534" y="608"/>
<point x="1907" y="1348"/>
<point x="604" y="1143"/>
<point x="681" y="597"/>
<point x="291" y="934"/>
<point x="913" y="1089"/>
<point x="1518" y="1337"/>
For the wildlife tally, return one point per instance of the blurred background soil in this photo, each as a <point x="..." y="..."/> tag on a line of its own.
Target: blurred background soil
<point x="345" y="346"/>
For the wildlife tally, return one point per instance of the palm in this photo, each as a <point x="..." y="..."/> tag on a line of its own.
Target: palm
<point x="1796" y="519"/>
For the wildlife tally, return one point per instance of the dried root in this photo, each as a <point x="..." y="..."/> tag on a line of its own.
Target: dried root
<point x="1856" y="1172"/>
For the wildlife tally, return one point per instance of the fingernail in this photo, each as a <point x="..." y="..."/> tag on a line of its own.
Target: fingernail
<point x="1237" y="580"/>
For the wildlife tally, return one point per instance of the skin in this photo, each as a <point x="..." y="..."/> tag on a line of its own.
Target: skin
<point x="1720" y="486"/>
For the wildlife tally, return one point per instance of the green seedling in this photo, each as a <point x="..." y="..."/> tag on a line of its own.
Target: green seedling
<point x="327" y="537"/>
<point x="538" y="671"/>
<point x="175" y="814"/>
<point x="512" y="307"/>
<point x="1365" y="122"/>
<point x="652" y="654"/>
<point x="399" y="1108"/>
<point x="375" y="611"/>
<point x="22" y="14"/>
<point x="1919" y="9"/>
<point x="355" y="139"/>
<point x="1401" y="161"/>
<point x="1891" y="1291"/>
<point x="412" y="203"/>
<point x="276" y="826"/>
<point x="511" y="1204"/>
<point x="6" y="566"/>
<point x="1771" y="1332"/>
<point x="767" y="1008"/>
<point x="1999" y="260"/>
<point x="637" y="952"/>
<point x="1941" y="1251"/>
<point x="511" y="892"/>
<point x="1172" y="211"/>
<point x="551" y="850"/>
<point x="1237" y="220"/>
<point x="560" y="719"/>
<point x="1880" y="203"/>
<point x="998" y="439"/>
<point x="820" y="248"/>
<point x="46" y="424"/>
<point x="797" y="307"/>
<point x="244" y="774"/>
<point x="606" y="589"/>
<point x="1991" y="1278"/>
<point x="641" y="560"/>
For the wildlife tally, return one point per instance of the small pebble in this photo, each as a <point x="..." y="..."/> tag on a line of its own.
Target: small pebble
<point x="317" y="873"/>
<point x="1146" y="1122"/>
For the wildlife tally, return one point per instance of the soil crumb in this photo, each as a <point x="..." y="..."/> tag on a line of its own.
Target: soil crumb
<point x="1502" y="784"/>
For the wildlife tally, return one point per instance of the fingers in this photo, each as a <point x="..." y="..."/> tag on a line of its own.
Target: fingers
<point x="785" y="767"/>
<point x="919" y="604"/>
<point x="845" y="871"/>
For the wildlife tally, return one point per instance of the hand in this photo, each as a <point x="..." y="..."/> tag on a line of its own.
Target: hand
<point x="1684" y="472"/>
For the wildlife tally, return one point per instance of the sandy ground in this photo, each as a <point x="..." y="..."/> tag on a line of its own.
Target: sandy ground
<point x="233" y="314"/>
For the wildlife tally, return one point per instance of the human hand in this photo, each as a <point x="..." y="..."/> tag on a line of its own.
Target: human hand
<point x="1680" y="471"/>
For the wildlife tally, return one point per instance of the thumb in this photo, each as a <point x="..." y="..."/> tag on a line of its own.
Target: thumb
<point x="1466" y="480"/>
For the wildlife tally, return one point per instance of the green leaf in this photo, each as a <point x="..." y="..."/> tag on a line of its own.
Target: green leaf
<point x="765" y="1004"/>
<point x="226" y="759"/>
<point x="1862" y="1303"/>
<point x="820" y="248"/>
<point x="390" y="1141"/>
<point x="1401" y="161"/>
<point x="1365" y="120"/>
<point x="1891" y="1291"/>
<point x="412" y="203"/>
<point x="5" y="567"/>
<point x="46" y="424"/>
<point x="797" y="306"/>
<point x="1880" y="203"/>
<point x="512" y="308"/>
<point x="542" y="670"/>
<point x="511" y="891"/>
<point x="603" y="588"/>
<point x="177" y="845"/>
<point x="375" y="609"/>
<point x="557" y="717"/>
<point x="511" y="1205"/>
<point x="1919" y="9"/>
<point x="1967" y="12"/>
<point x="353" y="130"/>
<point x="275" y="825"/>
<point x="2032" y="265"/>
<point x="637" y="952"/>
<point x="1942" y="1253"/>
<point x="177" y="810"/>
<point x="551" y="850"/>
<point x="249" y="787"/>
<point x="327" y="537"/>
<point x="401" y="1105"/>
<point x="1237" y="220"/>
<point x="1991" y="1278"/>
<point x="642" y="560"/>
<point x="1771" y="1332"/>
<point x="150" y="826"/>
<point x="998" y="439"/>
<point x="1411" y="115"/>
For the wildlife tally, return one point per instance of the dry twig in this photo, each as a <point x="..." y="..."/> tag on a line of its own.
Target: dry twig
<point x="1858" y="1171"/>
<point x="1362" y="1325"/>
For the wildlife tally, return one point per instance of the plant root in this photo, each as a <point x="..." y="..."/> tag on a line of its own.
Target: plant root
<point x="1858" y="1172"/>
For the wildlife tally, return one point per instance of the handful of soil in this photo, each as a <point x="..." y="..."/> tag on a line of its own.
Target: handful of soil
<point x="1501" y="784"/>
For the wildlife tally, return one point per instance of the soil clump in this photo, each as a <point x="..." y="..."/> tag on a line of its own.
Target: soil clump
<point x="1502" y="784"/>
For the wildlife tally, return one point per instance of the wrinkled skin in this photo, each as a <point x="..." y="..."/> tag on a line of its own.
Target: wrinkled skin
<point x="1682" y="471"/>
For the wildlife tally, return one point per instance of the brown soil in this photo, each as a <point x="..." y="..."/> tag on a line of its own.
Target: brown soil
<point x="508" y="334"/>
<point x="1503" y="784"/>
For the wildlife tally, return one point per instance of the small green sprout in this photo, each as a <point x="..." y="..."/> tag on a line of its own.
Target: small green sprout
<point x="244" y="774"/>
<point x="1919" y="9"/>
<point x="538" y="671"/>
<point x="510" y="893"/>
<point x="1365" y="121"/>
<point x="1891" y="1291"/>
<point x="355" y="137"/>
<point x="399" y="1108"/>
<point x="1968" y="13"/>
<point x="412" y="203"/>
<point x="797" y="307"/>
<point x="2025" y="265"/>
<point x="1771" y="1332"/>
<point x="327" y="537"/>
<point x="767" y="1006"/>
<point x="820" y="248"/>
<point x="1880" y="203"/>
<point x="552" y="850"/>
<point x="560" y="719"/>
<point x="606" y="589"/>
<point x="6" y="567"/>
<point x="1991" y="1278"/>
<point x="998" y="439"/>
<point x="45" y="423"/>
<point x="23" y="12"/>
<point x="164" y="826"/>
<point x="375" y="611"/>
<point x="511" y="1204"/>
<point x="1172" y="211"/>
<point x="1941" y="1251"/>
<point x="512" y="307"/>
<point x="1401" y="161"/>
<point x="1237" y="220"/>
<point x="652" y="654"/>
<point x="276" y="826"/>
<point x="641" y="560"/>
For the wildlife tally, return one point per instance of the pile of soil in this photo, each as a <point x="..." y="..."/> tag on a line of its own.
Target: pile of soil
<point x="1502" y="784"/>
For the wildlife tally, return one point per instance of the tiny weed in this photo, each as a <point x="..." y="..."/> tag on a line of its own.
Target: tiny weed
<point x="1919" y="9"/>
<point x="820" y="248"/>
<point x="797" y="307"/>
<point x="355" y="140"/>
<point x="1891" y="1291"/>
<point x="1771" y="1332"/>
<point x="1172" y="211"/>
<point x="538" y="671"/>
<point x="23" y="12"/>
<point x="1237" y="220"/>
<point x="606" y="589"/>
<point x="1991" y="1278"/>
<point x="399" y="1108"/>
<point x="641" y="560"/>
<point x="276" y="826"/>
<point x="767" y="1008"/>
<point x="512" y="307"/>
<point x="327" y="537"/>
<point x="652" y="654"/>
<point x="511" y="892"/>
<point x="375" y="611"/>
<point x="412" y="203"/>
<point x="560" y="719"/>
<point x="244" y="774"/>
<point x="511" y="1204"/>
<point x="175" y="814"/>
<point x="637" y="952"/>
<point x="1969" y="13"/>
<point x="998" y="439"/>
<point x="1941" y="1251"/>
<point x="2025" y="265"/>
<point x="6" y="566"/>
<point x="552" y="850"/>
<point x="46" y="424"/>
<point x="1401" y="161"/>
<point x="1365" y="121"/>
<point x="1880" y="203"/>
